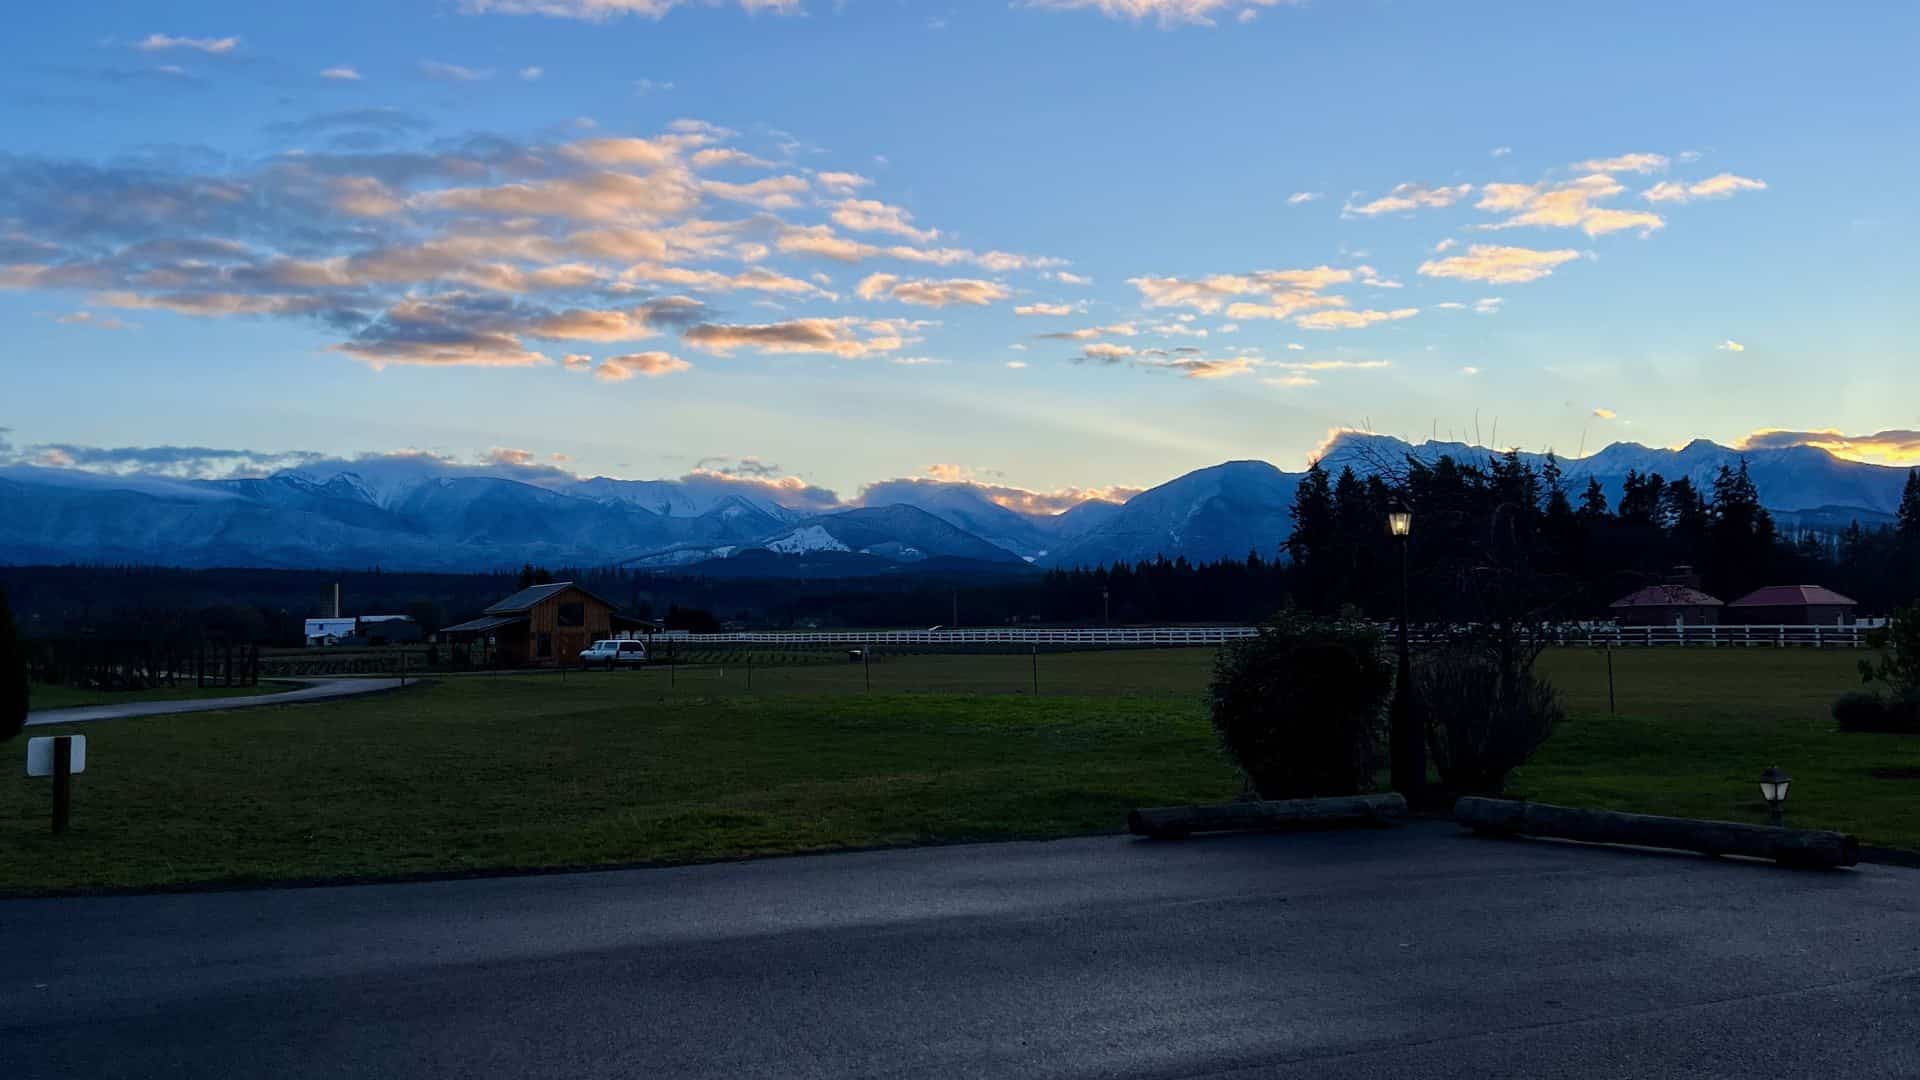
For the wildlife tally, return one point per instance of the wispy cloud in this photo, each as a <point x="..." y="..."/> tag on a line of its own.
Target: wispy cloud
<point x="1343" y="319"/>
<point x="1300" y="198"/>
<point x="931" y="292"/>
<point x="445" y="72"/>
<point x="1731" y="345"/>
<point x="88" y="318"/>
<point x="650" y="365"/>
<point x="342" y="73"/>
<point x="1634" y="163"/>
<point x="1567" y="205"/>
<point x="1714" y="187"/>
<point x="1045" y="309"/>
<point x="1406" y="197"/>
<point x="870" y="215"/>
<point x="164" y="42"/>
<point x="1167" y="13"/>
<point x="600" y="10"/>
<point x="1498" y="265"/>
<point x="846" y="336"/>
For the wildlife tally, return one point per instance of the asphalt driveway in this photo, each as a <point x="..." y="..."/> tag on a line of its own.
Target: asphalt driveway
<point x="1416" y="952"/>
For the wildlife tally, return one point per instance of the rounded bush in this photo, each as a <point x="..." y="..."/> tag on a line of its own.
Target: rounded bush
<point x="1867" y="711"/>
<point x="1480" y="723"/>
<point x="1300" y="709"/>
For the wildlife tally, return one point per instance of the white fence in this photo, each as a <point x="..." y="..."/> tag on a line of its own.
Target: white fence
<point x="1590" y="634"/>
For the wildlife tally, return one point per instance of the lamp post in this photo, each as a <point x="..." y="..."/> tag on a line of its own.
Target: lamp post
<point x="1406" y="745"/>
<point x="1773" y="788"/>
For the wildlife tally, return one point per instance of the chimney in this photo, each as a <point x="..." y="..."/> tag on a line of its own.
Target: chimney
<point x="336" y="599"/>
<point x="1684" y="576"/>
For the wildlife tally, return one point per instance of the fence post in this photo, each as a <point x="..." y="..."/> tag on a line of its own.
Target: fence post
<point x="62" y="782"/>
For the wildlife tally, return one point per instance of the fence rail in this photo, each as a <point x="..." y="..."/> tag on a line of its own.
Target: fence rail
<point x="1595" y="634"/>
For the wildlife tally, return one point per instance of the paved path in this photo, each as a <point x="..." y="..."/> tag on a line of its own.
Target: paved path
<point x="310" y="690"/>
<point x="1416" y="952"/>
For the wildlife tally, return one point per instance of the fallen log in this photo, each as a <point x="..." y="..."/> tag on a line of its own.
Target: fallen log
<point x="1175" y="822"/>
<point x="1792" y="847"/>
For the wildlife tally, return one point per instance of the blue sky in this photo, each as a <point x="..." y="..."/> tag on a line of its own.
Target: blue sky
<point x="827" y="239"/>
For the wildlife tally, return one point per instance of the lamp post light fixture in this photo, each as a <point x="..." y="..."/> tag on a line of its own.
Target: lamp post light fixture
<point x="1406" y="745"/>
<point x="1773" y="788"/>
<point x="1400" y="522"/>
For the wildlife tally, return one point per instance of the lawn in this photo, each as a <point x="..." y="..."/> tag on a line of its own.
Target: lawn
<point x="45" y="696"/>
<point x="1695" y="727"/>
<point x="494" y="772"/>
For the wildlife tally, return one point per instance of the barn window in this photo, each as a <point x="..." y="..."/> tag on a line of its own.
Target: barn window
<point x="574" y="614"/>
<point x="543" y="645"/>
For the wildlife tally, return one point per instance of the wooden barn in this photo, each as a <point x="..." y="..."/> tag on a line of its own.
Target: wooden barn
<point x="1793" y="605"/>
<point x="1667" y="605"/>
<point x="544" y="626"/>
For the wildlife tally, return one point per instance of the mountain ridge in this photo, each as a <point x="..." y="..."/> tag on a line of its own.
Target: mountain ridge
<point x="418" y="513"/>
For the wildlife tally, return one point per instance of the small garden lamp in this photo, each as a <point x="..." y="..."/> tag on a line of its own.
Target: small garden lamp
<point x="1773" y="788"/>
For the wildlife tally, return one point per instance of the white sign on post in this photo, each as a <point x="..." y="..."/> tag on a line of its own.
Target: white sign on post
<point x="40" y="755"/>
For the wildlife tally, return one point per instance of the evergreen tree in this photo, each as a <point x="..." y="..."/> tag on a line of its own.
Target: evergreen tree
<point x="1684" y="513"/>
<point x="1740" y="535"/>
<point x="13" y="675"/>
<point x="1361" y="531"/>
<point x="1640" y="499"/>
<point x="1593" y="503"/>
<point x="1909" y="517"/>
<point x="1314" y="537"/>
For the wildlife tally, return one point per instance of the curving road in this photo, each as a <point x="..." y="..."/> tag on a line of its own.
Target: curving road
<point x="1416" y="952"/>
<point x="310" y="690"/>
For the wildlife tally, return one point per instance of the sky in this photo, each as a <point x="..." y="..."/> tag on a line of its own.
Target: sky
<point x="1060" y="246"/>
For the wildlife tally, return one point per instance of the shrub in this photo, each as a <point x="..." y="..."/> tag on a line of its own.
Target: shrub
<point x="1481" y="724"/>
<point x="1867" y="711"/>
<point x="1299" y="710"/>
<point x="1899" y="664"/>
<point x="13" y="675"/>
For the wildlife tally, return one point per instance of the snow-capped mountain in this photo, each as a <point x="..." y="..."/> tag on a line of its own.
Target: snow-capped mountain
<point x="965" y="507"/>
<point x="1215" y="513"/>
<point x="418" y="512"/>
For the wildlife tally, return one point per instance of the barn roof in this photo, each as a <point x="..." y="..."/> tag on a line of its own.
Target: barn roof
<point x="484" y="625"/>
<point x="527" y="597"/>
<point x="1667" y="596"/>
<point x="1794" y="596"/>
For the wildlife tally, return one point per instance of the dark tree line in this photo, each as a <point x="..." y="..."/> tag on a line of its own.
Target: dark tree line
<point x="1571" y="548"/>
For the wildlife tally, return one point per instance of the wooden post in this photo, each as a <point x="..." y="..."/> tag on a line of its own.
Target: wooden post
<point x="866" y="664"/>
<point x="1036" y="671"/>
<point x="749" y="669"/>
<point x="62" y="782"/>
<point x="1612" y="709"/>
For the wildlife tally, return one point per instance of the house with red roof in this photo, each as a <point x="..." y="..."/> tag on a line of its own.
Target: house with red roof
<point x="1667" y="605"/>
<point x="1792" y="605"/>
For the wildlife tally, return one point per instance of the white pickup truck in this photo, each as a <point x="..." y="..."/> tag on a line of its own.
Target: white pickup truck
<point x="614" y="654"/>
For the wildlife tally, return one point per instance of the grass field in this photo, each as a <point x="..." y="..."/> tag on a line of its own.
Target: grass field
<point x="44" y="696"/>
<point x="493" y="772"/>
